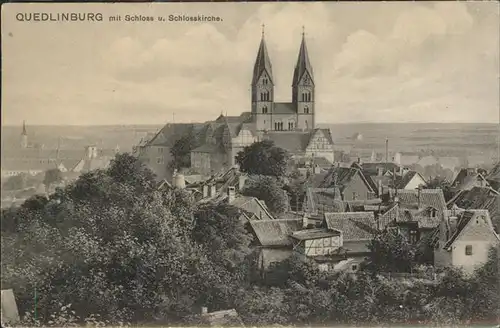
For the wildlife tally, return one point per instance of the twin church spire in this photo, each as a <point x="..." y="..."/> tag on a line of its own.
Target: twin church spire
<point x="283" y="116"/>
<point x="263" y="63"/>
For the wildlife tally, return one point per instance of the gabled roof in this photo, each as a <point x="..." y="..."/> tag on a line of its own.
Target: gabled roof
<point x="494" y="174"/>
<point x="478" y="198"/>
<point x="341" y="176"/>
<point x="317" y="233"/>
<point x="353" y="225"/>
<point x="428" y="198"/>
<point x="275" y="232"/>
<point x="170" y="133"/>
<point x="402" y="182"/>
<point x="303" y="64"/>
<point x="293" y="141"/>
<point x="262" y="63"/>
<point x="372" y="168"/>
<point x="324" y="200"/>
<point x="463" y="221"/>
<point x="466" y="179"/>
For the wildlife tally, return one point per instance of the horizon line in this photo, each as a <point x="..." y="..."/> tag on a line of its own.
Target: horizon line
<point x="322" y="123"/>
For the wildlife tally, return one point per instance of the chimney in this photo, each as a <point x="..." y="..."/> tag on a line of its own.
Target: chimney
<point x="205" y="191"/>
<point x="401" y="171"/>
<point x="452" y="224"/>
<point x="379" y="186"/>
<point x="386" y="150"/>
<point x="305" y="222"/>
<point x="317" y="169"/>
<point x="380" y="171"/>
<point x="419" y="190"/>
<point x="241" y="181"/>
<point x="204" y="310"/>
<point x="231" y="194"/>
<point x="212" y="190"/>
<point x="359" y="160"/>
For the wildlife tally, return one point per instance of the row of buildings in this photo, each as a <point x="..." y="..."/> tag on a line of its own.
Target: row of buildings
<point x="344" y="208"/>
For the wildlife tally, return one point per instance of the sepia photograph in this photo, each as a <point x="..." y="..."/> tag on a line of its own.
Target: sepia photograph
<point x="284" y="164"/>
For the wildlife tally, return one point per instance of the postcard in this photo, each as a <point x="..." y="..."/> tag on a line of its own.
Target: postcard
<point x="250" y="164"/>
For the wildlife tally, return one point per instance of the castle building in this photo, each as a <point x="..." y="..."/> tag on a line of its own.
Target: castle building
<point x="216" y="143"/>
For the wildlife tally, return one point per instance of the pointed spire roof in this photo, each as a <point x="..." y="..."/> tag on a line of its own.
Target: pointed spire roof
<point x="303" y="65"/>
<point x="24" y="129"/>
<point x="262" y="63"/>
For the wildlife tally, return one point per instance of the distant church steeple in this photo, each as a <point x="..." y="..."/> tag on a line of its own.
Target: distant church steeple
<point x="24" y="136"/>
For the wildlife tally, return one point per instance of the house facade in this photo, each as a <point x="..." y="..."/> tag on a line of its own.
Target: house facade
<point x="464" y="240"/>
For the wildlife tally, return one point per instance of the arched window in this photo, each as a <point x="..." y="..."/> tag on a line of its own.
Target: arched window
<point x="306" y="109"/>
<point x="264" y="110"/>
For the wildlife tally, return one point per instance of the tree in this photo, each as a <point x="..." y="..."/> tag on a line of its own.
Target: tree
<point x="263" y="158"/>
<point x="390" y="251"/>
<point x="52" y="176"/>
<point x="108" y="250"/>
<point x="268" y="189"/>
<point x="181" y="152"/>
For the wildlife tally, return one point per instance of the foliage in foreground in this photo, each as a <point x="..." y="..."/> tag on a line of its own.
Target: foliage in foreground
<point x="110" y="249"/>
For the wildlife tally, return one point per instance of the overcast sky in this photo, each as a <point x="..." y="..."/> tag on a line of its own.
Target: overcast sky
<point x="373" y="62"/>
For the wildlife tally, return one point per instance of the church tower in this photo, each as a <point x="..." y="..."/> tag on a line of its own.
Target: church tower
<point x="303" y="95"/>
<point x="24" y="137"/>
<point x="262" y="88"/>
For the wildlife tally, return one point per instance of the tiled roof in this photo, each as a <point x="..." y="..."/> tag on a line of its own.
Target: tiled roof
<point x="344" y="176"/>
<point x="356" y="247"/>
<point x="494" y="174"/>
<point x="284" y="108"/>
<point x="353" y="225"/>
<point x="275" y="232"/>
<point x="478" y="199"/>
<point x="463" y="220"/>
<point x="324" y="200"/>
<point x="309" y="234"/>
<point x="372" y="168"/>
<point x="466" y="179"/>
<point x="293" y="141"/>
<point x="405" y="179"/>
<point x="428" y="198"/>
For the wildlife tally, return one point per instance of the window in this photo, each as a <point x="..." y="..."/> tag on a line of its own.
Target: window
<point x="354" y="196"/>
<point x="160" y="150"/>
<point x="306" y="110"/>
<point x="264" y="110"/>
<point x="354" y="267"/>
<point x="413" y="237"/>
<point x="159" y="160"/>
<point x="468" y="250"/>
<point x="290" y="125"/>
